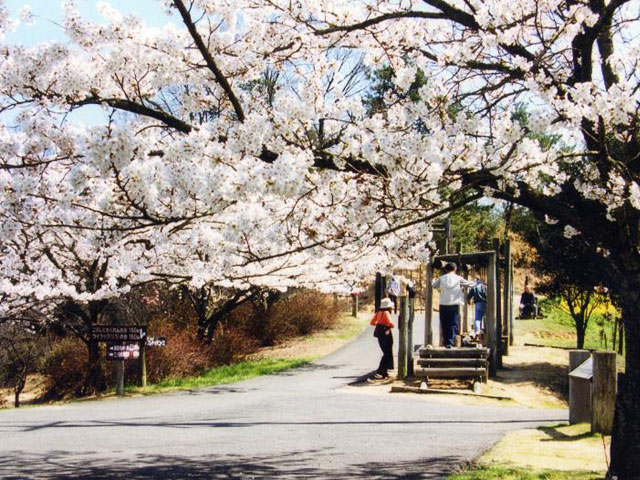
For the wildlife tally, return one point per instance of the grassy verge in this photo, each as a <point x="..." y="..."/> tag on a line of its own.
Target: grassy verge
<point x="510" y="473"/>
<point x="224" y="374"/>
<point x="348" y="327"/>
<point x="555" y="452"/>
<point x="557" y="329"/>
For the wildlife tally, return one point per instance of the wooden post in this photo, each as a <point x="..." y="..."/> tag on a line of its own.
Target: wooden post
<point x="120" y="378"/>
<point x="496" y="247"/>
<point x="490" y="319"/>
<point x="579" y="389"/>
<point x="402" y="339"/>
<point x="511" y="315"/>
<point x="378" y="291"/>
<point x="603" y="395"/>
<point x="428" y="306"/>
<point x="412" y="310"/>
<point x="448" y="235"/>
<point x="464" y="324"/>
<point x="508" y="300"/>
<point x="143" y="362"/>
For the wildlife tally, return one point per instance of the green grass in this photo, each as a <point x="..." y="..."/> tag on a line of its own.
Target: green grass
<point x="557" y="329"/>
<point x="509" y="473"/>
<point x="351" y="327"/>
<point x="224" y="374"/>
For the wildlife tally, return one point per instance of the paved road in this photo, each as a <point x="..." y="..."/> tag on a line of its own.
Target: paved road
<point x="302" y="424"/>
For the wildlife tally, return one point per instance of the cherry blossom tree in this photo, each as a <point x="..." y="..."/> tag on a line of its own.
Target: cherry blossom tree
<point x="237" y="147"/>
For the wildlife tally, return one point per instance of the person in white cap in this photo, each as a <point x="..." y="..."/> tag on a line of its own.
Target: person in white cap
<point x="451" y="297"/>
<point x="383" y="324"/>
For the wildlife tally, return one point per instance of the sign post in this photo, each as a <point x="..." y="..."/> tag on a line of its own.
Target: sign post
<point x="120" y="379"/>
<point x="123" y="343"/>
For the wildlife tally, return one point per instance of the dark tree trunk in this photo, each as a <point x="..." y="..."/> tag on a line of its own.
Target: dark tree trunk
<point x="580" y="333"/>
<point x="19" y="387"/>
<point x="625" y="440"/>
<point x="95" y="379"/>
<point x="225" y="309"/>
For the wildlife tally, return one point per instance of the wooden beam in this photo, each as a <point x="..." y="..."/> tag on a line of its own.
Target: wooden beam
<point x="462" y="372"/>
<point x="402" y="338"/>
<point x="490" y="339"/>
<point x="428" y="306"/>
<point x="496" y="246"/>
<point x="412" y="309"/>
<point x="603" y="394"/>
<point x="378" y="291"/>
<point x="453" y="362"/>
<point x="441" y="352"/>
<point x="507" y="306"/>
<point x="477" y="258"/>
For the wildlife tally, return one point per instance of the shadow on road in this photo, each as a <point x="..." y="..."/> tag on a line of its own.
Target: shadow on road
<point x="132" y="423"/>
<point x="68" y="465"/>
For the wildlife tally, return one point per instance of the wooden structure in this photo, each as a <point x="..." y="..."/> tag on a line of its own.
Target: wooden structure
<point x="603" y="391"/>
<point x="580" y="376"/>
<point x="496" y="269"/>
<point x="438" y="362"/>
<point x="592" y="389"/>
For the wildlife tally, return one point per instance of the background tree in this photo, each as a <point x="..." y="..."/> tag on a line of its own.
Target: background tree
<point x="569" y="268"/>
<point x="22" y="343"/>
<point x="475" y="225"/>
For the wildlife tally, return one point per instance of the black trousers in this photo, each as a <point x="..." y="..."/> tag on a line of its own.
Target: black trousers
<point x="394" y="299"/>
<point x="386" y="362"/>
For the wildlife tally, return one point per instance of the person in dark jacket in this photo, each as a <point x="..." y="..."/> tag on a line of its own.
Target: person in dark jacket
<point x="528" y="304"/>
<point x="479" y="295"/>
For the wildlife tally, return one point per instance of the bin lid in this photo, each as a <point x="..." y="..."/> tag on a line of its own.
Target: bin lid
<point x="584" y="370"/>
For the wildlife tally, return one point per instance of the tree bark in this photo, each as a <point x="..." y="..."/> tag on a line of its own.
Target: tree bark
<point x="17" y="391"/>
<point x="580" y="332"/>
<point x="625" y="440"/>
<point x="95" y="380"/>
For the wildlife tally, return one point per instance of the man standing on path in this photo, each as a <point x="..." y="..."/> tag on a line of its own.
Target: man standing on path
<point x="451" y="297"/>
<point x="393" y="291"/>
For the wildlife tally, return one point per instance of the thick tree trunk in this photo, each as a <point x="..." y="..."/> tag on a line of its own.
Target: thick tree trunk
<point x="625" y="441"/>
<point x="17" y="391"/>
<point x="95" y="379"/>
<point x="581" y="327"/>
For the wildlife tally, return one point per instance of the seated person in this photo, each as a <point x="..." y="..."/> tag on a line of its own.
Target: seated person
<point x="528" y="304"/>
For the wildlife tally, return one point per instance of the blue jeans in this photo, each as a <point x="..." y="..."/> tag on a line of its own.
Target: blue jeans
<point x="481" y="308"/>
<point x="450" y="321"/>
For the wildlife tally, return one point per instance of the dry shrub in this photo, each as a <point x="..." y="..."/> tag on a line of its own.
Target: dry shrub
<point x="65" y="369"/>
<point x="184" y="355"/>
<point x="303" y="313"/>
<point x="231" y="343"/>
<point x="299" y="314"/>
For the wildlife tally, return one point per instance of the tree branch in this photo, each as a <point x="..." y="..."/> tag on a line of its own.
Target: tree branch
<point x="376" y="21"/>
<point x="206" y="55"/>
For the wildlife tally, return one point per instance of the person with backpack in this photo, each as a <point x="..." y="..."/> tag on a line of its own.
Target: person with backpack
<point x="383" y="324"/>
<point x="479" y="295"/>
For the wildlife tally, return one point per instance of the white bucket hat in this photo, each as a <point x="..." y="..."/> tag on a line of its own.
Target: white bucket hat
<point x="386" y="303"/>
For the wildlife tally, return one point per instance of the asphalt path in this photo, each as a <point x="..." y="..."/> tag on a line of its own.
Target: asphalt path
<point x="305" y="423"/>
